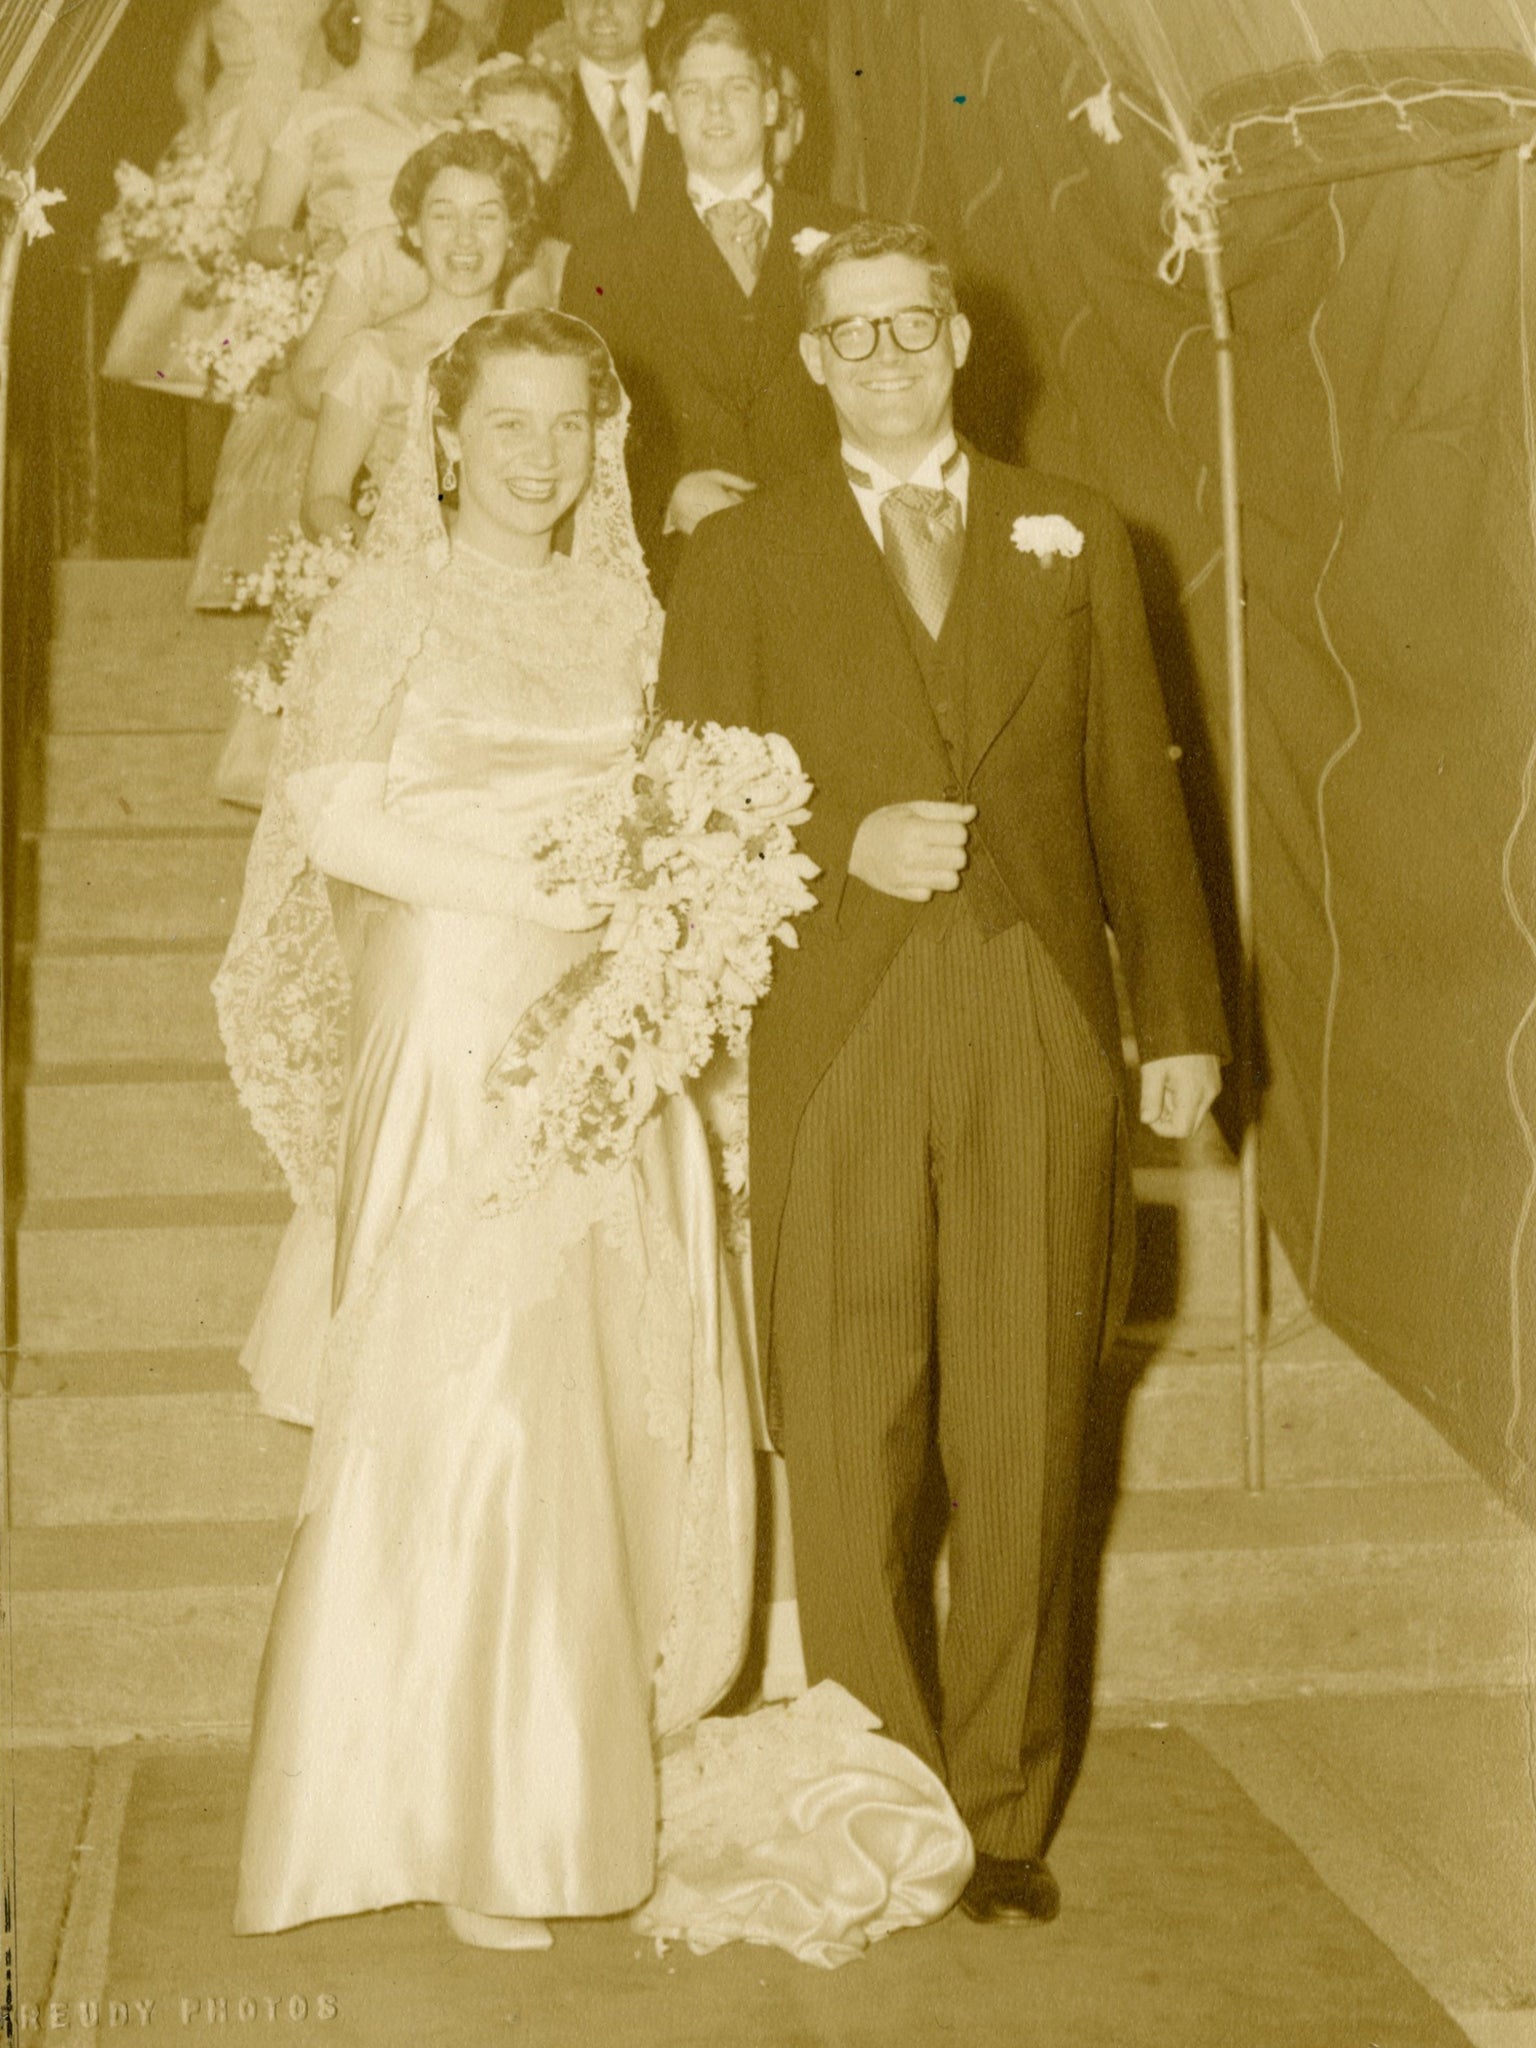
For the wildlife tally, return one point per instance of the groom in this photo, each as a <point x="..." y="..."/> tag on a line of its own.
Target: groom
<point x="939" y="1191"/>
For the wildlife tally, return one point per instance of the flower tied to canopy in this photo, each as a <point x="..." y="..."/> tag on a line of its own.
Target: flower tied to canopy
<point x="27" y="203"/>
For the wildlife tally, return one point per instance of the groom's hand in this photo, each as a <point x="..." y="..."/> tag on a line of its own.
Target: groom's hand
<point x="912" y="850"/>
<point x="1177" y="1092"/>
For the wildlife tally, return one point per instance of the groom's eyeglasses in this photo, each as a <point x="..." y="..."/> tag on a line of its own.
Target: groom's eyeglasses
<point x="913" y="329"/>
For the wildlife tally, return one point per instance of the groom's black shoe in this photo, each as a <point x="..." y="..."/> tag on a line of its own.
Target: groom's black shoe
<point x="1010" y="1888"/>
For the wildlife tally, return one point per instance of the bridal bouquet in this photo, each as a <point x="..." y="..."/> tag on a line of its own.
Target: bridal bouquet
<point x="189" y="209"/>
<point x="264" y="311"/>
<point x="290" y="584"/>
<point x="690" y="848"/>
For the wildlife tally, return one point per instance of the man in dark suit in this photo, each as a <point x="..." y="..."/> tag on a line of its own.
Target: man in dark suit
<point x="624" y="165"/>
<point x="939" y="1191"/>
<point x="701" y="302"/>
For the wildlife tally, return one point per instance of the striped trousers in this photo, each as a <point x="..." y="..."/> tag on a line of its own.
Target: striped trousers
<point x="941" y="1283"/>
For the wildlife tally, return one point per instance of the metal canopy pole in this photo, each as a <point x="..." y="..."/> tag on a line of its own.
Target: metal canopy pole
<point x="1240" y="835"/>
<point x="10" y="260"/>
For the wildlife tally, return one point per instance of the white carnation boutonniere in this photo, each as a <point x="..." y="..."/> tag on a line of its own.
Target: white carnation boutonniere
<point x="808" y="241"/>
<point x="1047" y="535"/>
<point x="658" y="103"/>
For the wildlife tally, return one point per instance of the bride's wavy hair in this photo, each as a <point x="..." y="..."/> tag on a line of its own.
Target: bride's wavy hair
<point x="456" y="372"/>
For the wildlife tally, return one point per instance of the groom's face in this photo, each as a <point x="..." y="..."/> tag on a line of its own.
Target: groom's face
<point x="891" y="402"/>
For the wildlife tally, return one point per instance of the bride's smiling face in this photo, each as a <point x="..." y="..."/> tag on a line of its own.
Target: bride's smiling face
<point x="523" y="448"/>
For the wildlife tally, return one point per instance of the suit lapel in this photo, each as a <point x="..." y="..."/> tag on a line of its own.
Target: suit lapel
<point x="1009" y="607"/>
<point x="596" y="160"/>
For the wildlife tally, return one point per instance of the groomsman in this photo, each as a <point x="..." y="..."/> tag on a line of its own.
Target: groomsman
<point x="701" y="304"/>
<point x="624" y="166"/>
<point x="940" y="1210"/>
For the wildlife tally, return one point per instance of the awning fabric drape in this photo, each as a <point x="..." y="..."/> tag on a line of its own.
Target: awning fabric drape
<point x="1370" y="164"/>
<point x="47" y="48"/>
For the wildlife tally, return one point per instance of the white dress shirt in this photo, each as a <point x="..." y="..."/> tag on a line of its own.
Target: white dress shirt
<point x="929" y="472"/>
<point x="598" y="86"/>
<point x="754" y="188"/>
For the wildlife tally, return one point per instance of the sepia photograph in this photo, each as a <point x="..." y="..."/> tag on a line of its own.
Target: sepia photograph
<point x="768" y="814"/>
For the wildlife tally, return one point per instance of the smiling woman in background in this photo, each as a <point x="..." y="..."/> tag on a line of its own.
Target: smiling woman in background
<point x="375" y="280"/>
<point x="468" y="210"/>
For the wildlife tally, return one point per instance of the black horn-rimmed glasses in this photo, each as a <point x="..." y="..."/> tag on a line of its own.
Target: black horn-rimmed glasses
<point x="856" y="336"/>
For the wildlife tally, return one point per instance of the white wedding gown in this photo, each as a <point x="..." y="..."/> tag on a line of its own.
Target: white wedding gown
<point x="524" y="1559"/>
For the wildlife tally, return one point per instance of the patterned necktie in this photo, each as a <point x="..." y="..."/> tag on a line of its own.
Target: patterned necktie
<point x="618" y="128"/>
<point x="924" y="541"/>
<point x="741" y="234"/>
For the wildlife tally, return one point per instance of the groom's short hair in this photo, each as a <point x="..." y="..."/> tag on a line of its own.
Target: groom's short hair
<point x="862" y="242"/>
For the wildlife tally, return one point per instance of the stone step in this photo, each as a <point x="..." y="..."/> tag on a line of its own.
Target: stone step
<point x="152" y="1437"/>
<point x="143" y="1274"/>
<point x="115" y="779"/>
<point x="96" y="886"/>
<point x="157" y="1630"/>
<point x="1328" y="1420"/>
<point x="175" y="1435"/>
<point x="146" y="1131"/>
<point x="1188" y="1244"/>
<point x="1228" y="1596"/>
<point x="123" y="1631"/>
<point x="98" y="591"/>
<point x="168" y="677"/>
<point x="91" y="1007"/>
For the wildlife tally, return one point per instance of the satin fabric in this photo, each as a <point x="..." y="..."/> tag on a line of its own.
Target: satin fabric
<point x="456" y="1701"/>
<point x="801" y="1828"/>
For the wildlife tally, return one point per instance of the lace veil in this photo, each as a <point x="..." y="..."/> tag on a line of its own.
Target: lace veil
<point x="282" y="991"/>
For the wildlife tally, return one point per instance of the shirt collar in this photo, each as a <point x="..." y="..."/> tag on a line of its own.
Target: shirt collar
<point x="945" y="453"/>
<point x="754" y="187"/>
<point x="598" y="84"/>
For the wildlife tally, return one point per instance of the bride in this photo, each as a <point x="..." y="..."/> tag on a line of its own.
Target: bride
<point x="525" y="1550"/>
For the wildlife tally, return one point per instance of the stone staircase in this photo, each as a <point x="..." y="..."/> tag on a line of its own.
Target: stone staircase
<point x="151" y="1505"/>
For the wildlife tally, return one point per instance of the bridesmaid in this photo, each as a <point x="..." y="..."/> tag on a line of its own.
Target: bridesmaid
<point x="334" y="160"/>
<point x="265" y="52"/>
<point x="468" y="210"/>
<point x="375" y="280"/>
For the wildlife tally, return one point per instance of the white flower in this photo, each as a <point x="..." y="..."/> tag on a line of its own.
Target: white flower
<point x="808" y="241"/>
<point x="658" y="103"/>
<point x="292" y="582"/>
<point x="192" y="209"/>
<point x="689" y="848"/>
<point x="32" y="215"/>
<point x="1047" y="535"/>
<point x="1100" y="110"/>
<point x="21" y="190"/>
<point x="264" y="312"/>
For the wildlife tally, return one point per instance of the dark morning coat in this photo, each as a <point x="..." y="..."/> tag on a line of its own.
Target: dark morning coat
<point x="715" y="376"/>
<point x="784" y="618"/>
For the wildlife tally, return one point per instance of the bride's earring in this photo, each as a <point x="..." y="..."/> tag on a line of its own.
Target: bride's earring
<point x="450" y="477"/>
